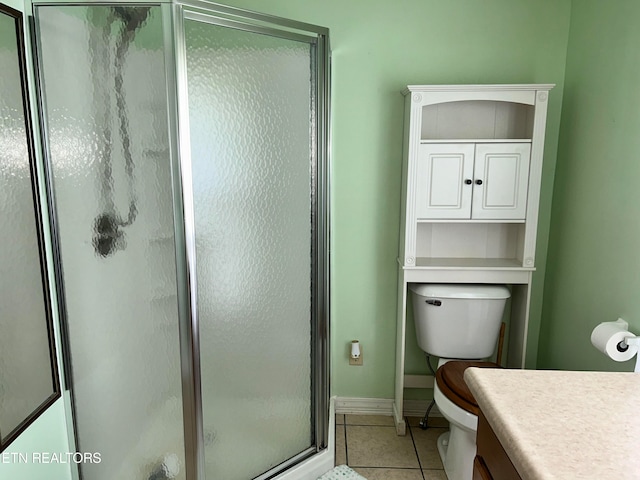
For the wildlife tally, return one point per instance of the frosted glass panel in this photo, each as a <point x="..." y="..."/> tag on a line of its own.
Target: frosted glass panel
<point x="105" y="96"/>
<point x="250" y="110"/>
<point x="26" y="379"/>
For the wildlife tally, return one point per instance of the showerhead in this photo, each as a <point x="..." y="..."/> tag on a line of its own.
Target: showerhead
<point x="132" y="17"/>
<point x="107" y="237"/>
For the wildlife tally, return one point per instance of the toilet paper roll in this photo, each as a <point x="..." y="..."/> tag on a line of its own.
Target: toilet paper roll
<point x="606" y="337"/>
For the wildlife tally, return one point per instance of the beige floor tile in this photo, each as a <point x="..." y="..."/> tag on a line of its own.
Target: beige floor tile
<point x="425" y="441"/>
<point x="340" y="419"/>
<point x="438" y="422"/>
<point x="375" y="446"/>
<point x="369" y="420"/>
<point x="389" y="473"/>
<point x="341" y="449"/>
<point x="434" y="475"/>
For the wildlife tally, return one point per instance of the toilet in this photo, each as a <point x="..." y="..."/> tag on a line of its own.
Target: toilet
<point x="460" y="324"/>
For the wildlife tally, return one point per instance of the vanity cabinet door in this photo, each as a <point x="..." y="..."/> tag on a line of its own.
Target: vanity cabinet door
<point x="501" y="178"/>
<point x="480" y="470"/>
<point x="444" y="181"/>
<point x="492" y="461"/>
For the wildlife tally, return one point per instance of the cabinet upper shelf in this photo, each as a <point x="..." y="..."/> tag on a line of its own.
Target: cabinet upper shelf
<point x="486" y="120"/>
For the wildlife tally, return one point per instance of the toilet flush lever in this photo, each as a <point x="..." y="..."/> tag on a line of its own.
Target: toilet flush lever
<point x="436" y="303"/>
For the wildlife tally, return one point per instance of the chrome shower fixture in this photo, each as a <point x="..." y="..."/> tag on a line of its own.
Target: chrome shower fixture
<point x="108" y="236"/>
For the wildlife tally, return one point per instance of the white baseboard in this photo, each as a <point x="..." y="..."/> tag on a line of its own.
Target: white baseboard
<point x="364" y="406"/>
<point x="417" y="408"/>
<point x="382" y="406"/>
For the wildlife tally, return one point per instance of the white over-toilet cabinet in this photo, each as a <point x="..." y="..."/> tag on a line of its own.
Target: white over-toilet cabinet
<point x="472" y="166"/>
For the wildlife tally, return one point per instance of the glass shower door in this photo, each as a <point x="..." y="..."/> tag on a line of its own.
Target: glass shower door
<point x="104" y="90"/>
<point x="192" y="278"/>
<point x="252" y="97"/>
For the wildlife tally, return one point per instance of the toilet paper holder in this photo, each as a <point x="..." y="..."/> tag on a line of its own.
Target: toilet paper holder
<point x="624" y="345"/>
<point x="632" y="342"/>
<point x="615" y="341"/>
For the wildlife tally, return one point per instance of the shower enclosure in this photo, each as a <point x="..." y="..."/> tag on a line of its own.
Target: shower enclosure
<point x="186" y="148"/>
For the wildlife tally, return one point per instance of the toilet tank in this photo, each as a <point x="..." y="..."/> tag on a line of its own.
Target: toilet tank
<point x="458" y="321"/>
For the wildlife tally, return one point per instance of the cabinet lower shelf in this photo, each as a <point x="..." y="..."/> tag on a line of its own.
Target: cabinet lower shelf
<point x="466" y="270"/>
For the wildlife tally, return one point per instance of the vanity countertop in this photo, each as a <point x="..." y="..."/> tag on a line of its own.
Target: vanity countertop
<point x="563" y="425"/>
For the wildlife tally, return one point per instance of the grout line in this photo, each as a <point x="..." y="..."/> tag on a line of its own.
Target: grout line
<point x="390" y="468"/>
<point x="364" y="425"/>
<point x="367" y="424"/>
<point x="415" y="449"/>
<point x="346" y="447"/>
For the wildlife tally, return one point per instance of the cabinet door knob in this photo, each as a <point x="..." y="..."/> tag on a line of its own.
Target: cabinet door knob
<point x="468" y="181"/>
<point x="478" y="182"/>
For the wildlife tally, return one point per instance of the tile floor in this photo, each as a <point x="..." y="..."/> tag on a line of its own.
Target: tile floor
<point x="370" y="446"/>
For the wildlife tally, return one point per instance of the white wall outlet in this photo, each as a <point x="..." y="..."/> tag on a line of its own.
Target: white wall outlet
<point x="356" y="361"/>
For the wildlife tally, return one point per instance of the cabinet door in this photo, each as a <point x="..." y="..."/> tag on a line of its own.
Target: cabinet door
<point x="501" y="177"/>
<point x="444" y="181"/>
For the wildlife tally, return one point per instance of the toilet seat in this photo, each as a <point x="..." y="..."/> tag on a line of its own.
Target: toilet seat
<point x="450" y="381"/>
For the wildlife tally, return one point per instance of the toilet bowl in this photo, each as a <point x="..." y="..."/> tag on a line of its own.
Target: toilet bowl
<point x="457" y="447"/>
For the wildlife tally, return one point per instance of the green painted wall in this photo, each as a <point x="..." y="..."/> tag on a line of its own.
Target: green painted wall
<point x="594" y="259"/>
<point x="16" y="4"/>
<point x="379" y="47"/>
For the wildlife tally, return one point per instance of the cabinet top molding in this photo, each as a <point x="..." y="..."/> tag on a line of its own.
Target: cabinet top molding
<point x="478" y="88"/>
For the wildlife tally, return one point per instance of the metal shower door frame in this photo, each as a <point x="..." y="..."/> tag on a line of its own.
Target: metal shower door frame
<point x="318" y="38"/>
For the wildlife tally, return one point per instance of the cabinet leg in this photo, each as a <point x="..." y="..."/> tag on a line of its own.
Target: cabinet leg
<point x="401" y="426"/>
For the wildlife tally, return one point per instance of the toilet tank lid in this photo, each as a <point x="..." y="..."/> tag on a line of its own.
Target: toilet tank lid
<point x="487" y="292"/>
